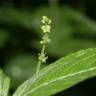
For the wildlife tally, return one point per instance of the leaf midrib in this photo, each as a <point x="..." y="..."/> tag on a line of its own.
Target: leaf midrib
<point x="60" y="78"/>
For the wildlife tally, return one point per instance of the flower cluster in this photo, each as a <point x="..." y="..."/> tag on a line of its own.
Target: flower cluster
<point x="42" y="58"/>
<point x="46" y="27"/>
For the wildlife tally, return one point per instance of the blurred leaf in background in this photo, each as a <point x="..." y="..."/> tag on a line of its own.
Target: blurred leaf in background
<point x="20" y="67"/>
<point x="4" y="36"/>
<point x="67" y="30"/>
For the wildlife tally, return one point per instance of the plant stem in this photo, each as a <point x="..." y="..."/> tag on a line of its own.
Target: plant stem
<point x="39" y="62"/>
<point x="38" y="67"/>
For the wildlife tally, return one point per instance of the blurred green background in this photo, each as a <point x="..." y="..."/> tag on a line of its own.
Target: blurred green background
<point x="73" y="29"/>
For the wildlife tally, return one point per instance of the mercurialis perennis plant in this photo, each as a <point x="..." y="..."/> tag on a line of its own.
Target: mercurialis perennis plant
<point x="58" y="76"/>
<point x="46" y="29"/>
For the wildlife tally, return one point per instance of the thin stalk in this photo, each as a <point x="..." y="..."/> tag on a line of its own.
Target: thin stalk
<point x="39" y="62"/>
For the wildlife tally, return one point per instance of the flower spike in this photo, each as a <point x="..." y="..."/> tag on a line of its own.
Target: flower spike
<point x="46" y="29"/>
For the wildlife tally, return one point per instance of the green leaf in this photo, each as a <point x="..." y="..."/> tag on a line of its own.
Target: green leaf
<point x="61" y="75"/>
<point x="4" y="84"/>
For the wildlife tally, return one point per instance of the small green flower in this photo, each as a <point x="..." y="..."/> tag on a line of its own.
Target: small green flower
<point x="42" y="58"/>
<point x="46" y="20"/>
<point x="45" y="39"/>
<point x="46" y="28"/>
